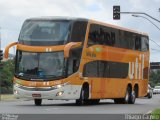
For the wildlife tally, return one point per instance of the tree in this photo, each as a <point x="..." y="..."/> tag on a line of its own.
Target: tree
<point x="6" y="76"/>
<point x="154" y="78"/>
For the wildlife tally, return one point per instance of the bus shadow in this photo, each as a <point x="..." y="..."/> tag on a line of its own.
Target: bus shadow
<point x="73" y="104"/>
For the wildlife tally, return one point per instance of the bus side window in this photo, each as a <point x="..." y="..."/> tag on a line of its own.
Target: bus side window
<point x="101" y="35"/>
<point x="74" y="60"/>
<point x="137" y="43"/>
<point x="93" y="37"/>
<point x="90" y="69"/>
<point x="78" y="31"/>
<point x="144" y="43"/>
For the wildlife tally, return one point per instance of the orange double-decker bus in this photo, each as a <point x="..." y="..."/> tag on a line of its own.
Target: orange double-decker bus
<point x="80" y="59"/>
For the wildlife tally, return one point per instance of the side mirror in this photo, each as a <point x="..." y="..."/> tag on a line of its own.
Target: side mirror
<point x="70" y="46"/>
<point x="6" y="53"/>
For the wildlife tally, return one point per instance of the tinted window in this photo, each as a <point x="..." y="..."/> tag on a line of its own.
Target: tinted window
<point x="78" y="31"/>
<point x="74" y="60"/>
<point x="137" y="42"/>
<point x="118" y="70"/>
<point x="105" y="69"/>
<point x="90" y="69"/>
<point x="145" y="44"/>
<point x="127" y="41"/>
<point x="101" y="35"/>
<point x="44" y="32"/>
<point x="39" y="65"/>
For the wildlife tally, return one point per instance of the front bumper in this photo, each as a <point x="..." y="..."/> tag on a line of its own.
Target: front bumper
<point x="63" y="93"/>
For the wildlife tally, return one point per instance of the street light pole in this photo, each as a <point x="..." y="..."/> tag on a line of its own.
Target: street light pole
<point x="147" y="19"/>
<point x="141" y="14"/>
<point x="0" y="68"/>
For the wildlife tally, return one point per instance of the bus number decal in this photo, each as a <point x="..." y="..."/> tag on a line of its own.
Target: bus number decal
<point x="89" y="54"/>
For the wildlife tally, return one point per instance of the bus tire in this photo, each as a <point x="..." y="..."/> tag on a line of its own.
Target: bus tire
<point x="149" y="95"/>
<point x="38" y="102"/>
<point x="132" y="97"/>
<point x="127" y="96"/>
<point x="83" y="96"/>
<point x="124" y="100"/>
<point x="81" y="100"/>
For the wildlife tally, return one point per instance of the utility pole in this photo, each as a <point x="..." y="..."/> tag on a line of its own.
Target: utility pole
<point x="1" y="57"/>
<point x="0" y="68"/>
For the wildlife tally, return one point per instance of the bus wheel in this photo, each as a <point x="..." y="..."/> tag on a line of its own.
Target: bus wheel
<point x="132" y="97"/>
<point x="38" y="102"/>
<point x="126" y="99"/>
<point x="81" y="100"/>
<point x="83" y="96"/>
<point x="149" y="95"/>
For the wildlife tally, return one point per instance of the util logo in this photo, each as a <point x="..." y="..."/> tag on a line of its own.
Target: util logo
<point x="136" y="68"/>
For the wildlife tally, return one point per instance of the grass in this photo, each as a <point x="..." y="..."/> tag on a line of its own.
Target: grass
<point x="156" y="114"/>
<point x="7" y="97"/>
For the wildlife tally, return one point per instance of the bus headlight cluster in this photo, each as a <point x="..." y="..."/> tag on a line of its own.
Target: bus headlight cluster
<point x="61" y="85"/>
<point x="59" y="93"/>
<point x="15" y="91"/>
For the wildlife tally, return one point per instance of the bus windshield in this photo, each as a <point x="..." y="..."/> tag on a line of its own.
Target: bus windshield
<point x="39" y="65"/>
<point x="45" y="32"/>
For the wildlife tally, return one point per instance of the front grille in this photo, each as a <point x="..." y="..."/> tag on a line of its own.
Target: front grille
<point x="37" y="88"/>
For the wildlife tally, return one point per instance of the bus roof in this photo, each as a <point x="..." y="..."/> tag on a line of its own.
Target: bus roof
<point x="58" y="18"/>
<point x="88" y="20"/>
<point x="118" y="27"/>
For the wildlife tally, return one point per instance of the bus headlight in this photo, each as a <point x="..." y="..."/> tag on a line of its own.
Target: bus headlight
<point x="15" y="92"/>
<point x="61" y="85"/>
<point x="59" y="93"/>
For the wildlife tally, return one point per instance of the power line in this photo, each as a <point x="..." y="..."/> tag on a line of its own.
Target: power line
<point x="155" y="42"/>
<point x="147" y="19"/>
<point x="155" y="49"/>
<point x="142" y="13"/>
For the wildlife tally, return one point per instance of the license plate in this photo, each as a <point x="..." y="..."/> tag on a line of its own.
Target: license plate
<point x="36" y="95"/>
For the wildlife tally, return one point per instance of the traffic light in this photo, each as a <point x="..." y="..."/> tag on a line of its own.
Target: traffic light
<point x="1" y="55"/>
<point x="116" y="12"/>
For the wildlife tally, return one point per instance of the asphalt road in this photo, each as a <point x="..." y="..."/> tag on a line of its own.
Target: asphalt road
<point x="142" y="106"/>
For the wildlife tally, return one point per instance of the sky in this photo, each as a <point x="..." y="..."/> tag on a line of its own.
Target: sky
<point x="14" y="12"/>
